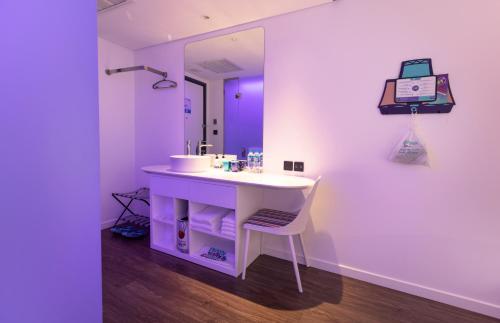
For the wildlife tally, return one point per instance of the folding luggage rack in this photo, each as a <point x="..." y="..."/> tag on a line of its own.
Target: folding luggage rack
<point x="126" y="199"/>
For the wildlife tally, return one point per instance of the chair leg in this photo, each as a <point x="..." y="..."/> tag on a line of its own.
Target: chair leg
<point x="245" y="255"/>
<point x="303" y="249"/>
<point x="295" y="266"/>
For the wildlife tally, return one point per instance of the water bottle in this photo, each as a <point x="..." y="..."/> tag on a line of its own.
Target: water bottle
<point x="256" y="163"/>
<point x="261" y="162"/>
<point x="250" y="161"/>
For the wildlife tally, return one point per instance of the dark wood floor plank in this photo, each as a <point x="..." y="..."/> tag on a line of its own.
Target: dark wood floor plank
<point x="143" y="285"/>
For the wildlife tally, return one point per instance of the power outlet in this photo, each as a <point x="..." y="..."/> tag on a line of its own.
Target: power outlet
<point x="288" y="165"/>
<point x="298" y="166"/>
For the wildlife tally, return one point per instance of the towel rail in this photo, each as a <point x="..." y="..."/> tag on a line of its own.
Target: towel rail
<point x="156" y="86"/>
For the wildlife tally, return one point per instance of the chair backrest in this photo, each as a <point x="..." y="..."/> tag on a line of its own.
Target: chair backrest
<point x="299" y="224"/>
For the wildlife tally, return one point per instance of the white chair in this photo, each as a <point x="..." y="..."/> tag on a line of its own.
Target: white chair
<point x="281" y="223"/>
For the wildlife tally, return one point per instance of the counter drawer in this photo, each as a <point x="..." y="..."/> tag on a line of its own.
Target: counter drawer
<point x="170" y="187"/>
<point x="213" y="194"/>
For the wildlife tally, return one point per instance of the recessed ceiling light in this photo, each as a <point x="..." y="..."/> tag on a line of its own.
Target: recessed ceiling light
<point x="205" y="17"/>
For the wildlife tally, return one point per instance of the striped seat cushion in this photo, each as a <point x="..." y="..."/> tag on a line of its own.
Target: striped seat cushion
<point x="271" y="218"/>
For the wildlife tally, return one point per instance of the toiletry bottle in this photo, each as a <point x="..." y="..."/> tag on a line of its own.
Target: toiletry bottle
<point x="217" y="161"/>
<point x="226" y="165"/>
<point x="250" y="160"/>
<point x="261" y="162"/>
<point x="234" y="166"/>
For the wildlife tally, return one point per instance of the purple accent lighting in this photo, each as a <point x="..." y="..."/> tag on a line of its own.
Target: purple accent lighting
<point x="243" y="116"/>
<point x="49" y="166"/>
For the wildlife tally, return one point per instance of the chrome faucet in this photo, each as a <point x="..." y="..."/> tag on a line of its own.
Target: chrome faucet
<point x="201" y="145"/>
<point x="188" y="147"/>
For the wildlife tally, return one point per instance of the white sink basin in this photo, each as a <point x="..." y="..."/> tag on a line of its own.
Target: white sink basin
<point x="189" y="163"/>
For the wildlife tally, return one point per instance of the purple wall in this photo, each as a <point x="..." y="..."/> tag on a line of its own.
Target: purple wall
<point x="49" y="178"/>
<point x="243" y="117"/>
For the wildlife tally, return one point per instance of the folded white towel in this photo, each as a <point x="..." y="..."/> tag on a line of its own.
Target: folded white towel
<point x="228" y="229"/>
<point x="203" y="227"/>
<point x="210" y="215"/>
<point x="228" y="233"/>
<point x="229" y="218"/>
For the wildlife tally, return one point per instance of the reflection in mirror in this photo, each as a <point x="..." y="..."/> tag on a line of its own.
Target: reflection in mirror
<point x="224" y="88"/>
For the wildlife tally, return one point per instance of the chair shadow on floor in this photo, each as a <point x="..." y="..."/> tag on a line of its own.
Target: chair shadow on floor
<point x="270" y="282"/>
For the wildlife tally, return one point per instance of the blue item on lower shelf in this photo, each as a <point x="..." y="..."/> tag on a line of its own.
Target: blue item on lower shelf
<point x="215" y="254"/>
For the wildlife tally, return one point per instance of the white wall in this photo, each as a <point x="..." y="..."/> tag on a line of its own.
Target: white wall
<point x="117" y="128"/>
<point x="159" y="114"/>
<point x="428" y="231"/>
<point x="49" y="167"/>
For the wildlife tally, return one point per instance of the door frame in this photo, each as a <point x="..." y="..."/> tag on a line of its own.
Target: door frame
<point x="204" y="85"/>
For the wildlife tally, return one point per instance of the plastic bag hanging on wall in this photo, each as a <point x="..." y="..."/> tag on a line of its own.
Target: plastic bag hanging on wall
<point x="410" y="149"/>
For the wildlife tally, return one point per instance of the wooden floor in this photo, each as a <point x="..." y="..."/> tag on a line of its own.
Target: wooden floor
<point x="143" y="285"/>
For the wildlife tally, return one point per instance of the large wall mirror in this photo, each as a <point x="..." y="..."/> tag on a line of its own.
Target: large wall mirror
<point x="224" y="93"/>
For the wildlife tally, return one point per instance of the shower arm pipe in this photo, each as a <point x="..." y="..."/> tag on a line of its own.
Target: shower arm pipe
<point x="137" y="68"/>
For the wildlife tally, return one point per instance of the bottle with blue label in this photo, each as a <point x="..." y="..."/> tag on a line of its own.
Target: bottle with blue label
<point x="261" y="162"/>
<point x="250" y="161"/>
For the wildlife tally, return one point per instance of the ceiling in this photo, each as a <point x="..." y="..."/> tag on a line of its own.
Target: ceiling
<point x="142" y="23"/>
<point x="244" y="49"/>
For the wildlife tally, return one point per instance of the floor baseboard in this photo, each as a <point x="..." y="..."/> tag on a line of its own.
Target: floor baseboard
<point x="393" y="283"/>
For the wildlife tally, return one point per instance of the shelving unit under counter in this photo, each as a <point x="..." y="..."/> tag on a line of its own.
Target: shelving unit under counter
<point x="180" y="195"/>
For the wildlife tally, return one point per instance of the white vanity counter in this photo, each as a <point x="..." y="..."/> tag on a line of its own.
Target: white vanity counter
<point x="175" y="196"/>
<point x="265" y="179"/>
